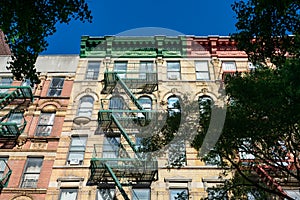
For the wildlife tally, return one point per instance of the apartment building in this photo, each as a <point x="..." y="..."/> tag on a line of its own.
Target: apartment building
<point x="97" y="124"/>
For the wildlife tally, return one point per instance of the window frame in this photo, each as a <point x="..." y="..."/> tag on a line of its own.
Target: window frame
<point x="46" y="125"/>
<point x="3" y="166"/>
<point x="227" y="69"/>
<point x="56" y="89"/>
<point x="199" y="70"/>
<point x="121" y="72"/>
<point x="36" y="173"/>
<point x="171" y="194"/>
<point x="111" y="191"/>
<point x="62" y="190"/>
<point x="92" y="70"/>
<point x="148" y="68"/>
<point x="77" y="150"/>
<point x="171" y="70"/>
<point x="142" y="191"/>
<point x="85" y="109"/>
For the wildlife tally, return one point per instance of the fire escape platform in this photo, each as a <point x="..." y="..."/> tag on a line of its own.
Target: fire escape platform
<point x="125" y="169"/>
<point x="146" y="84"/>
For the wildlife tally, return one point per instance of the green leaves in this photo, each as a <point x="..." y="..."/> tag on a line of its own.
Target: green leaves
<point x="27" y="24"/>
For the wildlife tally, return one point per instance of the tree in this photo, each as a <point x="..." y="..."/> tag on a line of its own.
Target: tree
<point x="27" y="24"/>
<point x="261" y="135"/>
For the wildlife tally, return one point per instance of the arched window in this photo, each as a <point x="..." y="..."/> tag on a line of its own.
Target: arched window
<point x="205" y="105"/>
<point x="85" y="108"/>
<point x="173" y="105"/>
<point x="146" y="103"/>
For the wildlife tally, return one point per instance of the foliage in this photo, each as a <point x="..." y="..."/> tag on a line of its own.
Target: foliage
<point x="260" y="138"/>
<point x="263" y="29"/>
<point x="27" y="24"/>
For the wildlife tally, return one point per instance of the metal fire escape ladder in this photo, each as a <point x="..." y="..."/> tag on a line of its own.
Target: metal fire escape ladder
<point x="118" y="184"/>
<point x="10" y="128"/>
<point x="13" y="93"/>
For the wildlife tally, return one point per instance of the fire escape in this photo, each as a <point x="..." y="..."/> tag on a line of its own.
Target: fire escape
<point x="119" y="125"/>
<point x="13" y="101"/>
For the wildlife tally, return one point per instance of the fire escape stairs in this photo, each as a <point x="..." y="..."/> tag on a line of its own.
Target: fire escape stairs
<point x="13" y="101"/>
<point x="125" y="170"/>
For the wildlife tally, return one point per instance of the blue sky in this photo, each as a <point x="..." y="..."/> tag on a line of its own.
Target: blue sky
<point x="112" y="17"/>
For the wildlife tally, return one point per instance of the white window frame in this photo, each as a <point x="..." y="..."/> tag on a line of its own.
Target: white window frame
<point x="65" y="191"/>
<point x="31" y="172"/>
<point x="175" y="191"/>
<point x="173" y="70"/>
<point x="229" y="66"/>
<point x="77" y="150"/>
<point x="93" y="69"/>
<point x="56" y="87"/>
<point x="45" y="124"/>
<point x="202" y="70"/>
<point x="85" y="108"/>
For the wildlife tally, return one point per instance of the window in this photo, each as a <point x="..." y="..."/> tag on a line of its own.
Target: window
<point x="56" y="86"/>
<point x="111" y="148"/>
<point x="3" y="167"/>
<point x="5" y="81"/>
<point x="214" y="193"/>
<point x="202" y="71"/>
<point x="173" y="70"/>
<point x="105" y="194"/>
<point x="205" y="106"/>
<point x="121" y="68"/>
<point x="77" y="149"/>
<point x="85" y="106"/>
<point x="146" y="103"/>
<point x="145" y="67"/>
<point x="68" y="194"/>
<point x="117" y="103"/>
<point x="179" y="194"/>
<point x="92" y="71"/>
<point x="173" y="105"/>
<point x="16" y="117"/>
<point x="45" y="124"/>
<point x="32" y="172"/>
<point x="228" y="66"/>
<point x="141" y="194"/>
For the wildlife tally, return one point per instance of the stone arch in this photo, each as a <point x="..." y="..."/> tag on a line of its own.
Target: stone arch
<point x="22" y="197"/>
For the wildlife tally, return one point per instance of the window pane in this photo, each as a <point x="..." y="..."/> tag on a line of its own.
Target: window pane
<point x="92" y="71"/>
<point x="201" y="66"/>
<point x="228" y="66"/>
<point x="144" y="68"/>
<point x="16" y="117"/>
<point x="141" y="194"/>
<point x="105" y="194"/>
<point x="56" y="86"/>
<point x="176" y="194"/>
<point x="68" y="194"/>
<point x="32" y="172"/>
<point x="86" y="106"/>
<point x="111" y="146"/>
<point x="121" y="68"/>
<point x="173" y="66"/>
<point x="6" y="81"/>
<point x="3" y="166"/>
<point x="116" y="103"/>
<point x="77" y="150"/>
<point x="202" y="76"/>
<point x="45" y="124"/>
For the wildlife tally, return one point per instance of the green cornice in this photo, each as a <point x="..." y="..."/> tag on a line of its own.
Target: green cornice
<point x="140" y="47"/>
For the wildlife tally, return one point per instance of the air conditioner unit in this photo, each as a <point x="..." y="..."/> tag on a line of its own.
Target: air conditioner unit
<point x="74" y="161"/>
